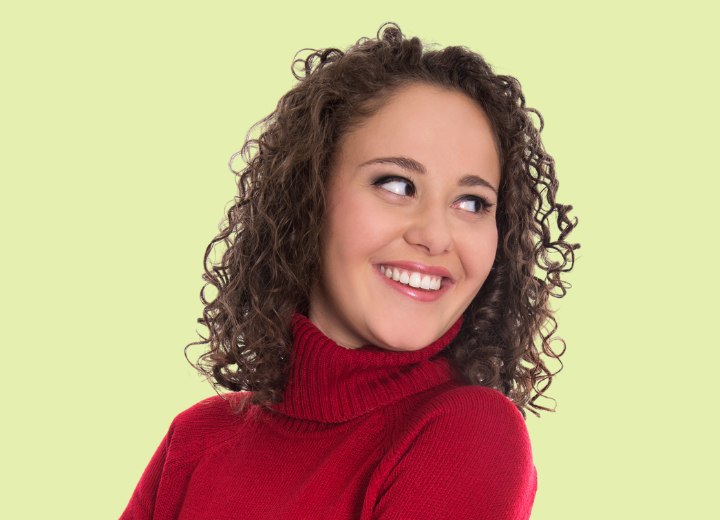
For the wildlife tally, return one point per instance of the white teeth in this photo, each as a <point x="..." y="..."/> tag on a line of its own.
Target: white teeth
<point x="413" y="279"/>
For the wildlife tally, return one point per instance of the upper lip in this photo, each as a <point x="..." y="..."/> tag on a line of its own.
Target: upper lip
<point x="433" y="270"/>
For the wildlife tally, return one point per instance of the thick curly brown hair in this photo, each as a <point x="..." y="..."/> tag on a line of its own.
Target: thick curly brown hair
<point x="271" y="235"/>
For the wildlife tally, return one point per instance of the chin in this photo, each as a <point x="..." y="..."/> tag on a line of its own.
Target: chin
<point x="406" y="338"/>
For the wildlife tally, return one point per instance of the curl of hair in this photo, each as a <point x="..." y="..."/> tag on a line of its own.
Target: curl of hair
<point x="271" y="233"/>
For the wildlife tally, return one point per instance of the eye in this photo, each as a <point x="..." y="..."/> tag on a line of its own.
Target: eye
<point x="397" y="185"/>
<point x="475" y="204"/>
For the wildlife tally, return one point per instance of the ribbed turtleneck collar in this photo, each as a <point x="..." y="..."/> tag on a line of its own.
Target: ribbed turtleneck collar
<point x="330" y="383"/>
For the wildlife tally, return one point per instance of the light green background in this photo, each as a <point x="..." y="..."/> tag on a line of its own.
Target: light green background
<point x="117" y="124"/>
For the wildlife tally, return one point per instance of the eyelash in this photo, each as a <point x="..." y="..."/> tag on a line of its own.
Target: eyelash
<point x="486" y="204"/>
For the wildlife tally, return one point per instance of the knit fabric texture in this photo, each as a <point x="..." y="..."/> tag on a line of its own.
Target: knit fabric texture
<point x="362" y="433"/>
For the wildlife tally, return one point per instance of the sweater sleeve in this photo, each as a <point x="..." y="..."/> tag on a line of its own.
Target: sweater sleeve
<point x="471" y="459"/>
<point x="159" y="492"/>
<point x="142" y="501"/>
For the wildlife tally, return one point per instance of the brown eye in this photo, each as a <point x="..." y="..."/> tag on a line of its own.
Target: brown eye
<point x="475" y="204"/>
<point x="397" y="185"/>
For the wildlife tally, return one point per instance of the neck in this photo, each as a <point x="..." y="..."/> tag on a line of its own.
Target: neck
<point x="331" y="383"/>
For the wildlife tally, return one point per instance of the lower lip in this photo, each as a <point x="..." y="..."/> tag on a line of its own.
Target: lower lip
<point x="416" y="294"/>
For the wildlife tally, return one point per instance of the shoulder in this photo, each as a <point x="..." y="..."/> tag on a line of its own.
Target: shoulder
<point x="204" y="425"/>
<point x="479" y="420"/>
<point x="477" y="407"/>
<point x="465" y="453"/>
<point x="478" y="397"/>
<point x="216" y="406"/>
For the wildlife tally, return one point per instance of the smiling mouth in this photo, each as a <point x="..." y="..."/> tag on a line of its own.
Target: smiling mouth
<point x="414" y="279"/>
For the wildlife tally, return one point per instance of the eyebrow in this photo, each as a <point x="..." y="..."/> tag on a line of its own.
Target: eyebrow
<point x="407" y="163"/>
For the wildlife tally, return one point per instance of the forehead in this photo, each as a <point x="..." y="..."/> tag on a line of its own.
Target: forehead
<point x="443" y="129"/>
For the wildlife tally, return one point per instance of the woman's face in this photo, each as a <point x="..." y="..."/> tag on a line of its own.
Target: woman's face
<point x="412" y="194"/>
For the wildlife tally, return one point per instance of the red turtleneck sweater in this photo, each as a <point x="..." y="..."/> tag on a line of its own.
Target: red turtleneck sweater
<point x="361" y="434"/>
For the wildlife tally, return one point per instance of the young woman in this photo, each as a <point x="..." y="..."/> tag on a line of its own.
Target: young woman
<point x="381" y="315"/>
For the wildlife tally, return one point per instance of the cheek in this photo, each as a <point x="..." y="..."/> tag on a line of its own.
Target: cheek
<point x="479" y="253"/>
<point x="355" y="229"/>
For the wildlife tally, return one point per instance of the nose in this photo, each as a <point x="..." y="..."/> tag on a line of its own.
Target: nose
<point x="429" y="230"/>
